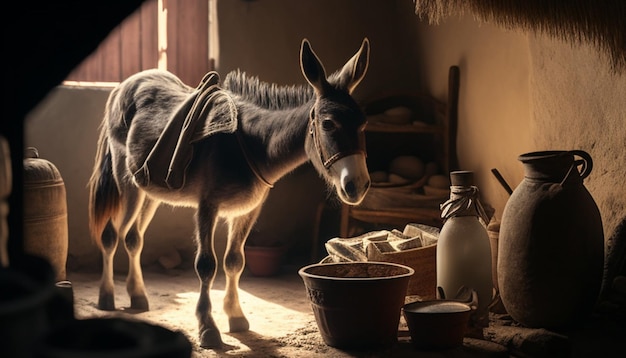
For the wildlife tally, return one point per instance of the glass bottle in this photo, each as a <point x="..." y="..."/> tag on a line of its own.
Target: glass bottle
<point x="463" y="248"/>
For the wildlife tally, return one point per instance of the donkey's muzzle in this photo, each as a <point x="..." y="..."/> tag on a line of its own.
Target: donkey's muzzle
<point x="351" y="178"/>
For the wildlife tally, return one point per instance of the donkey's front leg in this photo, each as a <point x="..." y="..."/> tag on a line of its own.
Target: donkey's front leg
<point x="234" y="262"/>
<point x="206" y="268"/>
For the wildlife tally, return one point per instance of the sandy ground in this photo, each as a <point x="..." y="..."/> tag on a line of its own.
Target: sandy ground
<point x="281" y="320"/>
<point x="280" y="315"/>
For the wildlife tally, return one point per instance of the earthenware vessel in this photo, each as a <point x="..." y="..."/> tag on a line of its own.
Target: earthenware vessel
<point x="551" y="242"/>
<point x="437" y="324"/>
<point x="357" y="305"/>
<point x="264" y="261"/>
<point x="112" y="337"/>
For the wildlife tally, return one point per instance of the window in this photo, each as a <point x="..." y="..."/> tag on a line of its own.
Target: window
<point x="166" y="34"/>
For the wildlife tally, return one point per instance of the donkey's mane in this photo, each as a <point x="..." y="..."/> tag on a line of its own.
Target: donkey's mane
<point x="267" y="95"/>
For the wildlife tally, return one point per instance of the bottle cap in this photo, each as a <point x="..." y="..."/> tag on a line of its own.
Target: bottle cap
<point x="462" y="178"/>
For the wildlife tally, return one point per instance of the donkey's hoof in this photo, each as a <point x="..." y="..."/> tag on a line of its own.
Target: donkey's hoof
<point x="139" y="303"/>
<point x="211" y="339"/>
<point x="238" y="324"/>
<point x="106" y="302"/>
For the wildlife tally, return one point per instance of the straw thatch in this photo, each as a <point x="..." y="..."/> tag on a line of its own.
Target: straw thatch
<point x="600" y="22"/>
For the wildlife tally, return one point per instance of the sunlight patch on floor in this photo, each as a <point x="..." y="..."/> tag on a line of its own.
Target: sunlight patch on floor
<point x="275" y="308"/>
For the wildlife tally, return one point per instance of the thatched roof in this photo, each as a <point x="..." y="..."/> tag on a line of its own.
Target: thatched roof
<point x="599" y="22"/>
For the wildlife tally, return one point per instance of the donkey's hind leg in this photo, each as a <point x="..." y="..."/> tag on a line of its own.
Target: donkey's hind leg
<point x="206" y="269"/>
<point x="133" y="242"/>
<point x="109" y="239"/>
<point x="118" y="226"/>
<point x="234" y="263"/>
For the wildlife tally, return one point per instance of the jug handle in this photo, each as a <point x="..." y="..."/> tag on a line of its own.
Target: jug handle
<point x="586" y="162"/>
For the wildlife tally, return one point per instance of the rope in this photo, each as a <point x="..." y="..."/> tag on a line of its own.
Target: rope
<point x="463" y="202"/>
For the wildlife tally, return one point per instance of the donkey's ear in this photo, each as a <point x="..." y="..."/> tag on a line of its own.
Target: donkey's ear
<point x="354" y="70"/>
<point x="312" y="68"/>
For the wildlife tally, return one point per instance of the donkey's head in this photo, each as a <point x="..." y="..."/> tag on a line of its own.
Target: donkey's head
<point x="336" y="143"/>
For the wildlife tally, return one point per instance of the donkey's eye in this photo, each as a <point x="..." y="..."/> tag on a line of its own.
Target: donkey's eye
<point x="328" y="124"/>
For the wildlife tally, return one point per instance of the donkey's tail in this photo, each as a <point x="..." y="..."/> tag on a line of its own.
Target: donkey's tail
<point x="104" y="195"/>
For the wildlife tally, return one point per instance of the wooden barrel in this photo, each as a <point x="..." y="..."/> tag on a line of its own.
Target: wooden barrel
<point x="45" y="212"/>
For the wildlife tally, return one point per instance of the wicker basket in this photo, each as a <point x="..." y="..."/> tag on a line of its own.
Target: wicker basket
<point x="373" y="246"/>
<point x="423" y="260"/>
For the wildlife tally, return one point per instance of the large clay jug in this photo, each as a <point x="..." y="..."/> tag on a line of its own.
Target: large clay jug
<point x="551" y="244"/>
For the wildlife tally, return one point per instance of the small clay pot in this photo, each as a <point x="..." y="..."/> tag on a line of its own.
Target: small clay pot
<point x="264" y="261"/>
<point x="437" y="324"/>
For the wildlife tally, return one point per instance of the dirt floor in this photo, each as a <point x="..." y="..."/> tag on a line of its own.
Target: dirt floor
<point x="281" y="320"/>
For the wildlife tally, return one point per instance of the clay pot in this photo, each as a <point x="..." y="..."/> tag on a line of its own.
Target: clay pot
<point x="357" y="304"/>
<point x="264" y="261"/>
<point x="437" y="324"/>
<point x="551" y="242"/>
<point x="114" y="338"/>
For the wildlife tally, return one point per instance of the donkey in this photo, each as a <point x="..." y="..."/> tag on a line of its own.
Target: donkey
<point x="233" y="145"/>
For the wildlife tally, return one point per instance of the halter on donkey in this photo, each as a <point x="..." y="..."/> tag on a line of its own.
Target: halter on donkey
<point x="224" y="148"/>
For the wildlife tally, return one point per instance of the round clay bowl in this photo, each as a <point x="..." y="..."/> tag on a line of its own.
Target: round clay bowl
<point x="437" y="324"/>
<point x="357" y="304"/>
<point x="113" y="337"/>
